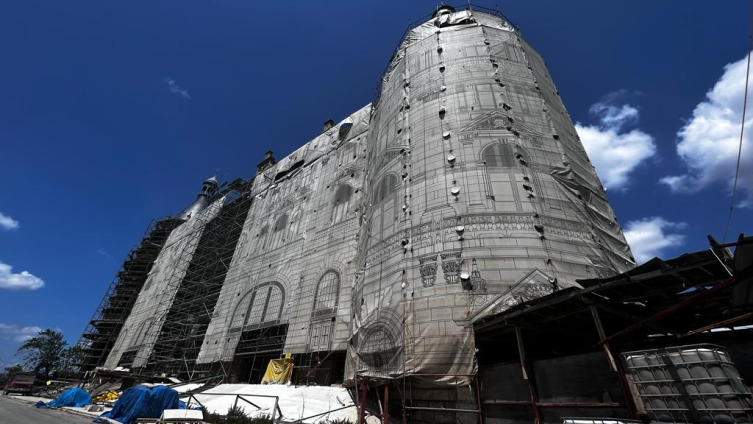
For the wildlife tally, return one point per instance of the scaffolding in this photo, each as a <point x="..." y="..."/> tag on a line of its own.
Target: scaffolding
<point x="108" y="319"/>
<point x="176" y="339"/>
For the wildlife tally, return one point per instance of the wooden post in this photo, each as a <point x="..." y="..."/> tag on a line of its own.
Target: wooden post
<point x="478" y="401"/>
<point x="602" y="336"/>
<point x="521" y="352"/>
<point x="614" y="365"/>
<point x="386" y="405"/>
<point x="402" y="395"/>
<point x="362" y="412"/>
<point x="527" y="375"/>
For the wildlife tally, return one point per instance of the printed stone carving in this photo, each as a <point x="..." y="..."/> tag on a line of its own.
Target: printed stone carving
<point x="451" y="263"/>
<point x="428" y="270"/>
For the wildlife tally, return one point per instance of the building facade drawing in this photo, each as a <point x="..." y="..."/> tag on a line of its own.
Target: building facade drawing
<point x="371" y="250"/>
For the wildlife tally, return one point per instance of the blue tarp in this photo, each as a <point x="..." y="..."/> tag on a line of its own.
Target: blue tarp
<point x="71" y="397"/>
<point x="143" y="402"/>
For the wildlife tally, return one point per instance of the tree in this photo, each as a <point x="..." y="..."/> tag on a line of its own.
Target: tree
<point x="14" y="369"/>
<point x="69" y="361"/>
<point x="43" y="352"/>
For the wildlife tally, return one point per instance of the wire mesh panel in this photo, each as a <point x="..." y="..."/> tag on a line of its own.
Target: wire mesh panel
<point x="697" y="383"/>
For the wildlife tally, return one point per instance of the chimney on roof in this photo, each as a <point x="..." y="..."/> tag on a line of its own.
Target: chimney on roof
<point x="329" y="124"/>
<point x="267" y="162"/>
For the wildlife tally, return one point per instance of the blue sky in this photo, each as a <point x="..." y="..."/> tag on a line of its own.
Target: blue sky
<point x="113" y="113"/>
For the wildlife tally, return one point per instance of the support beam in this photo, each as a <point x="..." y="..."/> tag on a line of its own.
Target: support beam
<point x="362" y="411"/>
<point x="724" y="323"/>
<point x="528" y="376"/>
<point x="602" y="336"/>
<point x="741" y="276"/>
<point x="386" y="405"/>
<point x="612" y="309"/>
<point x="521" y="352"/>
<point x="478" y="401"/>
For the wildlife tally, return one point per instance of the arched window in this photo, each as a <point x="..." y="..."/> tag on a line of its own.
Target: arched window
<point x="378" y="348"/>
<point x="260" y="307"/>
<point x="262" y="237"/>
<point x="142" y="332"/>
<point x="342" y="203"/>
<point x="121" y="341"/>
<point x="508" y="182"/>
<point x="279" y="231"/>
<point x="327" y="292"/>
<point x="386" y="187"/>
<point x="385" y="207"/>
<point x="499" y="155"/>
<point x="241" y="310"/>
<point x="325" y="307"/>
<point x="295" y="222"/>
<point x="281" y="223"/>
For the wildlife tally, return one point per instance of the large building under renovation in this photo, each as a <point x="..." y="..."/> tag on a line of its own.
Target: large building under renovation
<point x="372" y="250"/>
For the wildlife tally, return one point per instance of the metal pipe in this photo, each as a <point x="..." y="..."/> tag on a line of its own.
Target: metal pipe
<point x="235" y="394"/>
<point x="426" y="408"/>
<point x="579" y="405"/>
<point x="478" y="401"/>
<point x="555" y="404"/>
<point x="507" y="402"/>
<point x="300" y="420"/>
<point x="197" y="401"/>
<point x="248" y="402"/>
<point x="386" y="406"/>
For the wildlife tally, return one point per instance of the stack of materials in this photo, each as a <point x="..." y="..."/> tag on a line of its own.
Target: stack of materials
<point x="696" y="383"/>
<point x="143" y="402"/>
<point x="72" y="397"/>
<point x="108" y="396"/>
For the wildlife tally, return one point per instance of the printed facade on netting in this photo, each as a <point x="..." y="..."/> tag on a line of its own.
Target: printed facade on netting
<point x="462" y="191"/>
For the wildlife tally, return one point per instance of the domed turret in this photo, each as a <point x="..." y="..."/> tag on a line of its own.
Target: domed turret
<point x="202" y="199"/>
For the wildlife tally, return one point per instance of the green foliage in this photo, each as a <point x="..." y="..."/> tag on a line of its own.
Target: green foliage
<point x="71" y="356"/>
<point x="235" y="416"/>
<point x="43" y="353"/>
<point x="14" y="369"/>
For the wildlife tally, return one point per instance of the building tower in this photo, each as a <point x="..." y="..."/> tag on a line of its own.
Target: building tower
<point x="479" y="194"/>
<point x="150" y="313"/>
<point x="202" y="199"/>
<point x="116" y="306"/>
<point x="370" y="251"/>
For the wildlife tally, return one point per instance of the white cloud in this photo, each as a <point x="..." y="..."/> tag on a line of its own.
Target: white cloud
<point x="649" y="237"/>
<point x="21" y="281"/>
<point x="104" y="254"/>
<point x="8" y="223"/>
<point x="176" y="89"/>
<point x="16" y="333"/>
<point x="615" y="153"/>
<point x="614" y="117"/>
<point x="708" y="142"/>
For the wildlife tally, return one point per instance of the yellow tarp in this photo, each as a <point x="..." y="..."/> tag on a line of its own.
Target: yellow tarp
<point x="279" y="371"/>
<point x="107" y="396"/>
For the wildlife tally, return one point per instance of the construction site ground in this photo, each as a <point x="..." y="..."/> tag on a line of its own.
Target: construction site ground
<point x="21" y="410"/>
